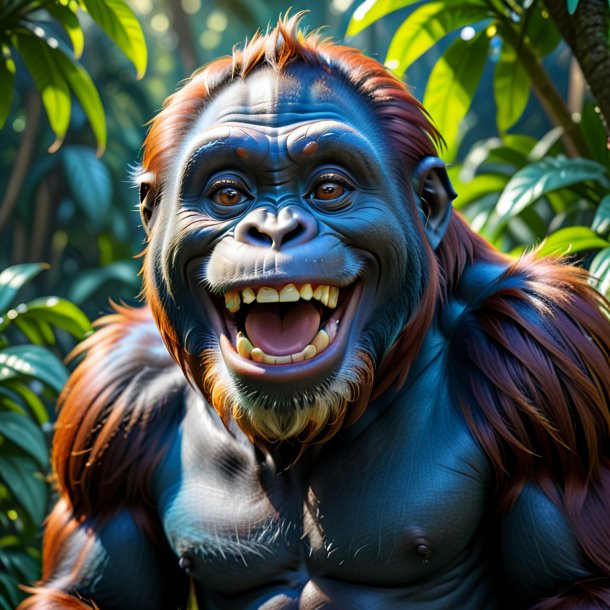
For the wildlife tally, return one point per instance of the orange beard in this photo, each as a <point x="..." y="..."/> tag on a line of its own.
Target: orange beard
<point x="315" y="416"/>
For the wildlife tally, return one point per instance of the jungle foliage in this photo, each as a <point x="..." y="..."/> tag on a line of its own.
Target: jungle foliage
<point x="518" y="191"/>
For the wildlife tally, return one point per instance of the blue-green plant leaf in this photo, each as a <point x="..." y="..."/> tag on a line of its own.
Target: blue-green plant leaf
<point x="34" y="362"/>
<point x="20" y="475"/>
<point x="88" y="282"/>
<point x="426" y="26"/>
<point x="600" y="270"/>
<point x="13" y="278"/>
<point x="60" y="313"/>
<point x="89" y="180"/>
<point x="452" y="84"/>
<point x="601" y="222"/>
<point x="537" y="179"/>
<point x="570" y="240"/>
<point x="478" y="187"/>
<point x="26" y="435"/>
<point x="120" y="23"/>
<point x="572" y="6"/>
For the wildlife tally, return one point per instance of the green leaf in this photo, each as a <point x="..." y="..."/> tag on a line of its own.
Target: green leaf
<point x="19" y="474"/>
<point x="511" y="89"/>
<point x="373" y="10"/>
<point x="7" y="75"/>
<point x="601" y="222"/>
<point x="9" y="585"/>
<point x="570" y="240"/>
<point x="61" y="313"/>
<point x="537" y="179"/>
<point x="600" y="271"/>
<point x="34" y="362"/>
<point x="32" y="332"/>
<point x="26" y="435"/>
<point x="40" y="60"/>
<point x="572" y="6"/>
<point x="26" y="396"/>
<point x="13" y="278"/>
<point x="452" y="84"/>
<point x="478" y="187"/>
<point x="120" y="23"/>
<point x="541" y="32"/>
<point x="89" y="180"/>
<point x="70" y="22"/>
<point x="86" y="93"/>
<point x="426" y="26"/>
<point x="88" y="282"/>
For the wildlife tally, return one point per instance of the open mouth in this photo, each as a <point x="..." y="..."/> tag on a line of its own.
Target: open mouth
<point x="287" y="324"/>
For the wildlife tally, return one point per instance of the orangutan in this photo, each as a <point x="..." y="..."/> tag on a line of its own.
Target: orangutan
<point x="336" y="395"/>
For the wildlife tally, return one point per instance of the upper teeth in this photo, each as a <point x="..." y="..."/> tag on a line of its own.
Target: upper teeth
<point x="327" y="295"/>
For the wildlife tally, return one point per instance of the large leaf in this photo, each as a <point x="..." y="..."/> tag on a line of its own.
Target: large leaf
<point x="7" y="75"/>
<point x="90" y="182"/>
<point x="600" y="270"/>
<point x="570" y="240"/>
<point x="572" y="6"/>
<point x="34" y="362"/>
<point x="70" y="22"/>
<point x="60" y="313"/>
<point x="86" y="93"/>
<point x="120" y="23"/>
<point x="40" y="60"/>
<point x="26" y="435"/>
<point x="537" y="179"/>
<point x="426" y="26"/>
<point x="373" y="10"/>
<point x="13" y="278"/>
<point x="601" y="222"/>
<point x="20" y="475"/>
<point x="511" y="89"/>
<point x="88" y="282"/>
<point x="478" y="187"/>
<point x="23" y="395"/>
<point x="452" y="84"/>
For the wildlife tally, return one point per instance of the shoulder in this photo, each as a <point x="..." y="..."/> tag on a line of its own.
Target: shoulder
<point x="530" y="365"/>
<point x="116" y="411"/>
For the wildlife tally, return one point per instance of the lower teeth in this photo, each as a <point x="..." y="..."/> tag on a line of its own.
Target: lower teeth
<point x="319" y="343"/>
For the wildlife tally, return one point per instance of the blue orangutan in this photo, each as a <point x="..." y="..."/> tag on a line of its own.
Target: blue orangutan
<point x="336" y="395"/>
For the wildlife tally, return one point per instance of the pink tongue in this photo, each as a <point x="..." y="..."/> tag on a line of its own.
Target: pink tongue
<point x="280" y="336"/>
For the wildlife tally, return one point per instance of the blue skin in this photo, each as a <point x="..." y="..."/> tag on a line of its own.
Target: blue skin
<point x="393" y="512"/>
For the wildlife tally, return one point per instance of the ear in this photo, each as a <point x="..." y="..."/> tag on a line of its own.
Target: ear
<point x="146" y="185"/>
<point x="434" y="196"/>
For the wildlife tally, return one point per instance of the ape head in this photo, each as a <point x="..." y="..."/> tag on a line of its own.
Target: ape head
<point x="292" y="203"/>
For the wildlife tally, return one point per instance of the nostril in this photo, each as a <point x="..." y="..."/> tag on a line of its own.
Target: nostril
<point x="294" y="234"/>
<point x="256" y="237"/>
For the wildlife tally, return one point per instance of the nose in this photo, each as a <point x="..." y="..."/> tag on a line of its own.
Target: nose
<point x="291" y="226"/>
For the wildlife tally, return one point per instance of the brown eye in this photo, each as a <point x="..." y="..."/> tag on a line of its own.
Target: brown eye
<point x="228" y="196"/>
<point x="327" y="191"/>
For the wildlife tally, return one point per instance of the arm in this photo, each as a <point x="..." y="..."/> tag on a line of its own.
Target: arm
<point x="108" y="563"/>
<point x="530" y="367"/>
<point x="104" y="541"/>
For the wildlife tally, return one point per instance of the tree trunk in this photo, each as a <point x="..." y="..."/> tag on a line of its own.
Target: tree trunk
<point x="586" y="33"/>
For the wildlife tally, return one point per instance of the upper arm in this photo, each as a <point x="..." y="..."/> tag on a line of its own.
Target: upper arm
<point x="112" y="562"/>
<point x="539" y="547"/>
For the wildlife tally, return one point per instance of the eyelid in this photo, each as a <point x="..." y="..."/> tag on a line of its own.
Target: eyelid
<point x="329" y="175"/>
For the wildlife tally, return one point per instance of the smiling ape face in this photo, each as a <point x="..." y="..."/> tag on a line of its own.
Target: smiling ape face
<point x="286" y="251"/>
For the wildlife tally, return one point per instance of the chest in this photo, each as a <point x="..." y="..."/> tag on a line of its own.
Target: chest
<point x="384" y="506"/>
